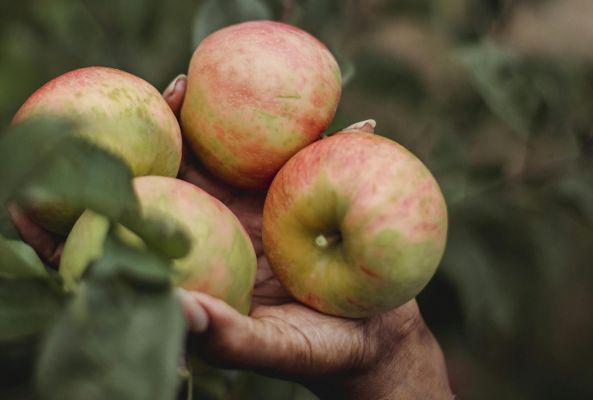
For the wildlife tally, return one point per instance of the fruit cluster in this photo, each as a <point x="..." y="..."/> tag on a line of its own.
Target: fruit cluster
<point x="353" y="224"/>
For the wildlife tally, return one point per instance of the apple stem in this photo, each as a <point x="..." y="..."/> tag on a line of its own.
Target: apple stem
<point x="323" y="242"/>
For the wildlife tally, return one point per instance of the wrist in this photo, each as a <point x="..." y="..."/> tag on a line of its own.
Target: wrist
<point x="411" y="367"/>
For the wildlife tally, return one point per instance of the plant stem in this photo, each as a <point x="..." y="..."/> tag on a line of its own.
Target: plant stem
<point x="323" y="242"/>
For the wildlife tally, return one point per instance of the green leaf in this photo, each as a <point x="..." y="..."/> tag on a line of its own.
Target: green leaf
<point x="116" y="340"/>
<point x="141" y="267"/>
<point x="313" y="16"/>
<point x="18" y="359"/>
<point x="347" y="69"/>
<point x="84" y="176"/>
<point x="481" y="285"/>
<point x="504" y="82"/>
<point x="575" y="193"/>
<point x="215" y="14"/>
<point x="43" y="161"/>
<point x="7" y="228"/>
<point x="87" y="177"/>
<point x="382" y="75"/>
<point x="26" y="149"/>
<point x="18" y="260"/>
<point x="27" y="306"/>
<point x="159" y="233"/>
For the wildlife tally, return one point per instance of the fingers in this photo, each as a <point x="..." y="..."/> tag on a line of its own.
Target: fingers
<point x="175" y="92"/>
<point x="225" y="337"/>
<point x="264" y="342"/>
<point x="44" y="243"/>
<point x="285" y="341"/>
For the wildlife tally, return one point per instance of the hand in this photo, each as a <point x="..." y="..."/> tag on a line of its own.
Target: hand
<point x="47" y="245"/>
<point x="393" y="355"/>
<point x="389" y="356"/>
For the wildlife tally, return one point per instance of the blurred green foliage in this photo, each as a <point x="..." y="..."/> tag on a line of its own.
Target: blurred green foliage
<point x="58" y="345"/>
<point x="495" y="96"/>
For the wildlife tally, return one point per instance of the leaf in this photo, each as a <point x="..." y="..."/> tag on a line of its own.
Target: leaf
<point x="575" y="193"/>
<point x="503" y="81"/>
<point x="103" y="184"/>
<point x="481" y="285"/>
<point x="84" y="176"/>
<point x="382" y="75"/>
<point x="44" y="161"/>
<point x="159" y="233"/>
<point x="7" y="228"/>
<point x="215" y="14"/>
<point x="19" y="260"/>
<point x="113" y="343"/>
<point x="313" y="16"/>
<point x="115" y="340"/>
<point x="141" y="267"/>
<point x="27" y="306"/>
<point x="347" y="69"/>
<point x="18" y="358"/>
<point x="25" y="149"/>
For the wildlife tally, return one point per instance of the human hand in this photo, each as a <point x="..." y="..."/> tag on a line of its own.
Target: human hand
<point x="47" y="245"/>
<point x="393" y="355"/>
<point x="388" y="356"/>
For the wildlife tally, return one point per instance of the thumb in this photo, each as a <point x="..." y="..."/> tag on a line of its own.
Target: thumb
<point x="226" y="338"/>
<point x="175" y="92"/>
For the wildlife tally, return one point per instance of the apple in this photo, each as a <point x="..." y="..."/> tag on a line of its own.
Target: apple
<point x="257" y="92"/>
<point x="354" y="225"/>
<point x="221" y="262"/>
<point x="118" y="112"/>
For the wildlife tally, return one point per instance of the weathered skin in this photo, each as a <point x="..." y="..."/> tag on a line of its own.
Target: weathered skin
<point x="119" y="112"/>
<point x="257" y="93"/>
<point x="354" y="225"/>
<point x="221" y="263"/>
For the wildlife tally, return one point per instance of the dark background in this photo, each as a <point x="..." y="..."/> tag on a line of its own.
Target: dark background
<point x="495" y="96"/>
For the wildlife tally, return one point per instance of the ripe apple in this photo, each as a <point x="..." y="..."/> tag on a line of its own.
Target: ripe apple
<point x="354" y="225"/>
<point x="221" y="262"/>
<point x="257" y="93"/>
<point x="118" y="112"/>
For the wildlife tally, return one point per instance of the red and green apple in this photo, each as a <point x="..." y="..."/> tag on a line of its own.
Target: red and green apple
<point x="221" y="262"/>
<point x="354" y="225"/>
<point x="257" y="93"/>
<point x="118" y="112"/>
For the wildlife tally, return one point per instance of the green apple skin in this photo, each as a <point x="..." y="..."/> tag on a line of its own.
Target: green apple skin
<point x="354" y="225"/>
<point x="118" y="112"/>
<point x="222" y="260"/>
<point x="257" y="93"/>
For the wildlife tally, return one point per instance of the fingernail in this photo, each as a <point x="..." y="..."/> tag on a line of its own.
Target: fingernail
<point x="366" y="126"/>
<point x="173" y="86"/>
<point x="197" y="317"/>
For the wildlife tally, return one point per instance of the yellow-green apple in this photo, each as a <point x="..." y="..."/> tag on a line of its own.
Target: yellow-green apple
<point x="257" y="92"/>
<point x="117" y="111"/>
<point x="354" y="225"/>
<point x="221" y="262"/>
